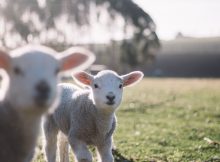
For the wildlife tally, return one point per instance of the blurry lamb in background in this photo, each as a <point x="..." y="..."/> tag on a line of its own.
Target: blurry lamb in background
<point x="29" y="90"/>
<point x="87" y="116"/>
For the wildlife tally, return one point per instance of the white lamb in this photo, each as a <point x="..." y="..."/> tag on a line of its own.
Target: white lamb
<point x="30" y="91"/>
<point x="87" y="116"/>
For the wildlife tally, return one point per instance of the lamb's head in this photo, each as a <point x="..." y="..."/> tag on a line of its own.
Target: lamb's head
<point x="107" y="86"/>
<point x="33" y="74"/>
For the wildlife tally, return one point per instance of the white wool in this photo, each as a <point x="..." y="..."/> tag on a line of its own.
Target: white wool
<point x="85" y="117"/>
<point x="29" y="91"/>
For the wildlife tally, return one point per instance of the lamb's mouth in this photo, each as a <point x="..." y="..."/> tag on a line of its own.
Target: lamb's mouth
<point x="110" y="103"/>
<point x="41" y="101"/>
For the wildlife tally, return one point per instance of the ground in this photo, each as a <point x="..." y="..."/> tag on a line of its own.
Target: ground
<point x="167" y="120"/>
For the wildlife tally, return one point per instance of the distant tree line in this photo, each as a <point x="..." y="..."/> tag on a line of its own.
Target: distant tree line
<point x="35" y="19"/>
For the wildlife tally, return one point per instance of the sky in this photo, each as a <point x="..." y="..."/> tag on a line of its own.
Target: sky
<point x="196" y="18"/>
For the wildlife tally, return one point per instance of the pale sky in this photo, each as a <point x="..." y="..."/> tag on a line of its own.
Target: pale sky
<point x="199" y="18"/>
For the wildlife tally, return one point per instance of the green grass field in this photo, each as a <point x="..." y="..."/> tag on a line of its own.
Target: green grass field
<point x="167" y="120"/>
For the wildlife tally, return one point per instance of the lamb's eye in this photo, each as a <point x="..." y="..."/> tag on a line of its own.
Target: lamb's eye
<point x="96" y="86"/>
<point x="120" y="86"/>
<point x="18" y="71"/>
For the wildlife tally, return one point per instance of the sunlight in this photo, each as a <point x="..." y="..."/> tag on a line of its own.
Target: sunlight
<point x="196" y="18"/>
<point x="41" y="3"/>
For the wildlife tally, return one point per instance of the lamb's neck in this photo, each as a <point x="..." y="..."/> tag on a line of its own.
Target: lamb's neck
<point x="105" y="115"/>
<point x="27" y="124"/>
<point x="104" y="121"/>
<point x="31" y="126"/>
<point x="31" y="122"/>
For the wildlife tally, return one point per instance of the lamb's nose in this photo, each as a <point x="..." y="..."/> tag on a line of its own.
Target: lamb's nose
<point x="110" y="97"/>
<point x="42" y="89"/>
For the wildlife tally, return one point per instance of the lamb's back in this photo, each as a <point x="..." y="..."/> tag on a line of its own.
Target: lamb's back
<point x="61" y="115"/>
<point x="83" y="116"/>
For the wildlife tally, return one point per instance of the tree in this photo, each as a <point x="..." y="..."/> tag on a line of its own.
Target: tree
<point x="33" y="20"/>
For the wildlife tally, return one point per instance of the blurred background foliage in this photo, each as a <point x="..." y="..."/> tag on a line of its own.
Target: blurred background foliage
<point x="61" y="23"/>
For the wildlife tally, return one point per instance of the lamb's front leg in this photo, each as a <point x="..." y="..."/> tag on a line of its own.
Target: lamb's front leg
<point x="105" y="151"/>
<point x="50" y="146"/>
<point x="80" y="150"/>
<point x="63" y="148"/>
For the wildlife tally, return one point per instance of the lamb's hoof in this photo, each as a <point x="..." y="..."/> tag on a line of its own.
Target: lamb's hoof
<point x="114" y="147"/>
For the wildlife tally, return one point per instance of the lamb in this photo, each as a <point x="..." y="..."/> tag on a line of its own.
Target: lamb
<point x="30" y="79"/>
<point x="87" y="116"/>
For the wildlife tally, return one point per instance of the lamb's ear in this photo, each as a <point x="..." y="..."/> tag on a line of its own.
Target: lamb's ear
<point x="132" y="78"/>
<point x="77" y="58"/>
<point x="83" y="78"/>
<point x="5" y="60"/>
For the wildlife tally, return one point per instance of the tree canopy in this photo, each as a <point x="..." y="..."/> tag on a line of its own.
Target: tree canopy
<point x="36" y="19"/>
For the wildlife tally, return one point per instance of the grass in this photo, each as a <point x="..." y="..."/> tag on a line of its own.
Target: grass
<point x="167" y="120"/>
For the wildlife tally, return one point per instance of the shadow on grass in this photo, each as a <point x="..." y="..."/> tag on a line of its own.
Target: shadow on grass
<point x="208" y="148"/>
<point x="119" y="157"/>
<point x="216" y="116"/>
<point x="213" y="159"/>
